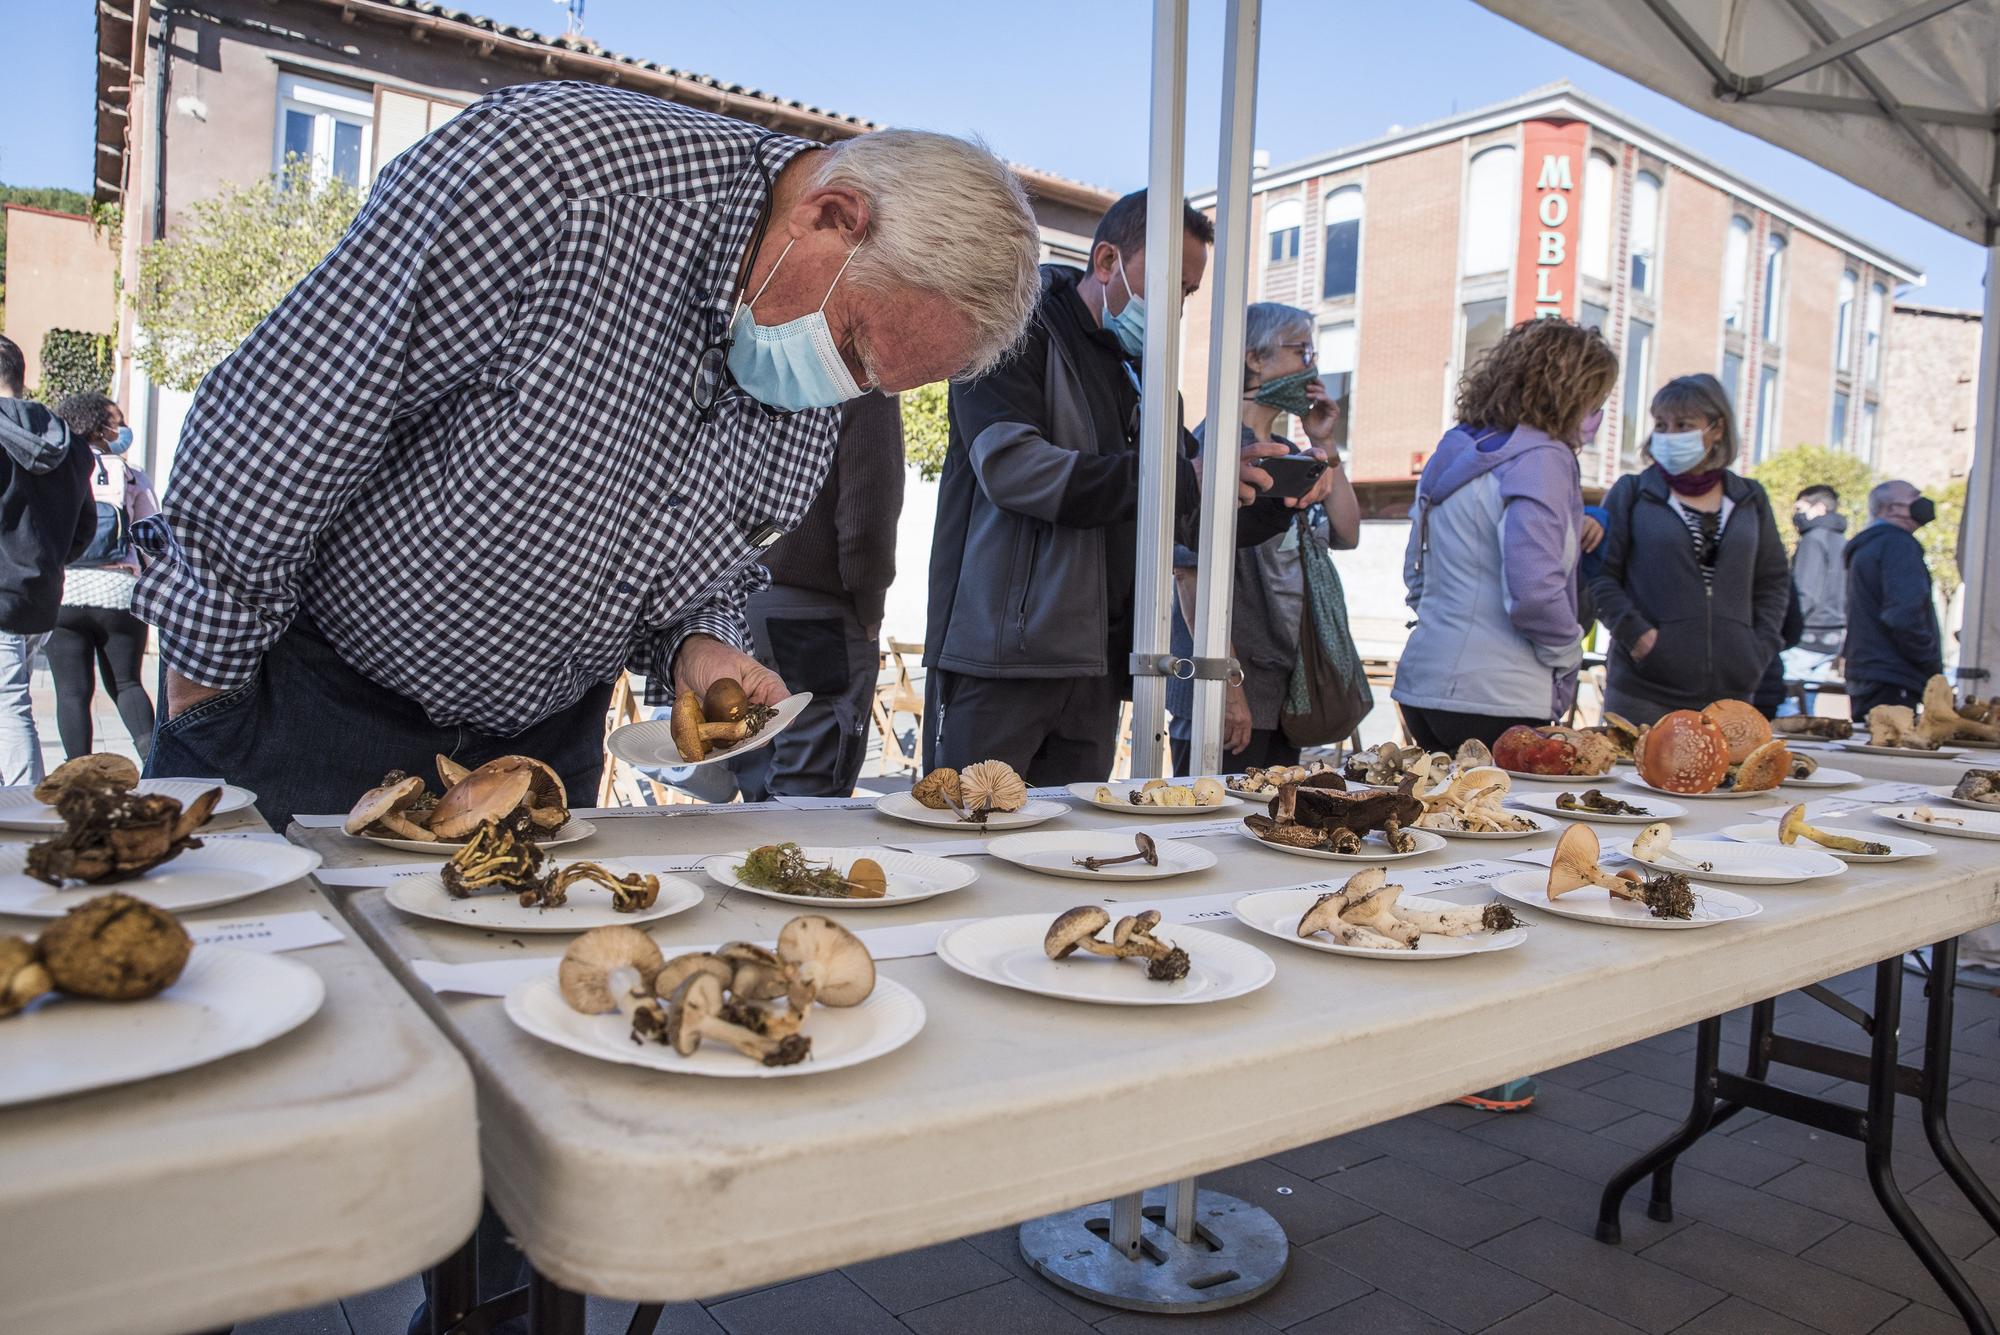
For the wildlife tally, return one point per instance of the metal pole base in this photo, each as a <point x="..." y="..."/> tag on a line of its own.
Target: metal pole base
<point x="1236" y="1253"/>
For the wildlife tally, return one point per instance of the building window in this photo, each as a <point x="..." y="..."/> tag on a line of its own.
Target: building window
<point x="1732" y="375"/>
<point x="1593" y="316"/>
<point x="1337" y="349"/>
<point x="1341" y="258"/>
<point x="1871" y="335"/>
<point x="1492" y="196"/>
<point x="1843" y="324"/>
<point x="1767" y="411"/>
<point x="326" y="126"/>
<point x="1774" y="288"/>
<point x="1600" y="199"/>
<point x="1839" y="439"/>
<point x="1865" y="447"/>
<point x="1645" y="231"/>
<point x="1635" y="410"/>
<point x="1282" y="223"/>
<point x="1735" y="272"/>
<point x="1485" y="325"/>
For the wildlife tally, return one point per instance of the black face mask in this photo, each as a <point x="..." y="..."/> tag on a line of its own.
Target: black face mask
<point x="1922" y="511"/>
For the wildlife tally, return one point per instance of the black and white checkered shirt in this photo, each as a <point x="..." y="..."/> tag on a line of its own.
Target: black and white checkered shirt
<point x="466" y="444"/>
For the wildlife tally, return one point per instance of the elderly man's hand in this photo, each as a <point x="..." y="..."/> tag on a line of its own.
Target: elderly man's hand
<point x="703" y="660"/>
<point x="183" y="695"/>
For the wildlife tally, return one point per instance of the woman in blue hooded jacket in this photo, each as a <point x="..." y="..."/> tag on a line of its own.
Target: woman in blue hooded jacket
<point x="1494" y="541"/>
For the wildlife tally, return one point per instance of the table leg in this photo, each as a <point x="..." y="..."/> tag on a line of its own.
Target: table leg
<point x="1884" y="1070"/>
<point x="454" y="1286"/>
<point x="1231" y="1251"/>
<point x="553" y="1309"/>
<point x="1659" y="1161"/>
<point x="645" y="1318"/>
<point x="1937" y="1082"/>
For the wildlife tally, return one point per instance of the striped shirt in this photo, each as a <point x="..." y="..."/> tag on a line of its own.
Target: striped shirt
<point x="1704" y="531"/>
<point x="466" y="445"/>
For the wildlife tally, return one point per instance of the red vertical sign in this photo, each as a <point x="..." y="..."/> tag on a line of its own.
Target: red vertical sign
<point x="1551" y="219"/>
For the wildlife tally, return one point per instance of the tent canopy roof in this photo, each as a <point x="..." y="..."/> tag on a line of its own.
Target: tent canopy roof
<point x="1902" y="97"/>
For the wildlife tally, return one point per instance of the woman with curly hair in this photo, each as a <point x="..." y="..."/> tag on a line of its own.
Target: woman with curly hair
<point x="1495" y="536"/>
<point x="1694" y="584"/>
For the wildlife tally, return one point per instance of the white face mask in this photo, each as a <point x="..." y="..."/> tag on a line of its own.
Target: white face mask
<point x="794" y="365"/>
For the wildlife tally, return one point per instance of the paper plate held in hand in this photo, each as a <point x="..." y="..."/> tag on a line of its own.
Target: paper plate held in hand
<point x="651" y="743"/>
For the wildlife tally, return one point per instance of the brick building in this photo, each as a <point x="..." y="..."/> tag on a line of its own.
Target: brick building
<point x="1931" y="381"/>
<point x="1415" y="252"/>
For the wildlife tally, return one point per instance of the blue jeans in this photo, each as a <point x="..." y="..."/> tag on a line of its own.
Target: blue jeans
<point x="20" y="744"/>
<point x="309" y="734"/>
<point x="1808" y="665"/>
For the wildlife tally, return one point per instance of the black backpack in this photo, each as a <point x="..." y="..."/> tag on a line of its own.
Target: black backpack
<point x="112" y="541"/>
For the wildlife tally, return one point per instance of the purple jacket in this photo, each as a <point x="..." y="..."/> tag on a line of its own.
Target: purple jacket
<point x="1491" y="574"/>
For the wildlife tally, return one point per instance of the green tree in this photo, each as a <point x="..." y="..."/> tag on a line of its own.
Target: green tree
<point x="926" y="430"/>
<point x="203" y="289"/>
<point x="1940" y="537"/>
<point x="1790" y="471"/>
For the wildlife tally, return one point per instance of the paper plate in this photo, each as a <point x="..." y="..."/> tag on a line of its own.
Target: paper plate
<point x="1277" y="913"/>
<point x="574" y="830"/>
<point x="1943" y="792"/>
<point x="1567" y="780"/>
<point x="651" y="743"/>
<point x="20" y="811"/>
<point x="1008" y="951"/>
<point x="589" y="905"/>
<point x="1055" y="853"/>
<point x="1824" y="777"/>
<point x="904" y="807"/>
<point x="1977" y="824"/>
<point x="841" y="1036"/>
<point x="1543" y="824"/>
<point x="1733" y="863"/>
<point x="1087" y="792"/>
<point x="226" y="1001"/>
<point x="1950" y="753"/>
<point x="1713" y="795"/>
<point x="1655" y="808"/>
<point x="221" y="871"/>
<point x="1591" y="904"/>
<point x="911" y="876"/>
<point x="1372" y="847"/>
<point x="1766" y="832"/>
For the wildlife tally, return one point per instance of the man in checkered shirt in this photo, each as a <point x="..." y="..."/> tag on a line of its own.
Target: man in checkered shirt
<point x="517" y="432"/>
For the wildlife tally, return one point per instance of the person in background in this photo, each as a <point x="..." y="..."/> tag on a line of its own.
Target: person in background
<point x="1495" y="539"/>
<point x="1029" y="634"/>
<point x="819" y="625"/>
<point x="95" y="630"/>
<point x="1821" y="577"/>
<point x="1893" y="645"/>
<point x="1694" y="583"/>
<point x="1770" y="696"/>
<point x="1280" y="377"/>
<point x="47" y="517"/>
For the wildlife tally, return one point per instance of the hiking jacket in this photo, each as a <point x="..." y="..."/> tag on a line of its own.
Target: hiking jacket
<point x="1716" y="637"/>
<point x="47" y="516"/>
<point x="1033" y="550"/>
<point x="1490" y="571"/>
<point x="1892" y="624"/>
<point x="1821" y="575"/>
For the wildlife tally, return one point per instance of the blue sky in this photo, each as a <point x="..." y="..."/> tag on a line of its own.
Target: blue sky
<point x="1061" y="86"/>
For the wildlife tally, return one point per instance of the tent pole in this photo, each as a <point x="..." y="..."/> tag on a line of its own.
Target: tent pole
<point x="1159" y="417"/>
<point x="1979" y="557"/>
<point x="1233" y="245"/>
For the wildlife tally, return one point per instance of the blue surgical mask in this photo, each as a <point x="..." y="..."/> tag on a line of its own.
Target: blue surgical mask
<point x="794" y="365"/>
<point x="1129" y="324"/>
<point x="1678" y="451"/>
<point x="120" y="442"/>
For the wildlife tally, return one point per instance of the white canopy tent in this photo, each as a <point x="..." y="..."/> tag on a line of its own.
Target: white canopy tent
<point x="1902" y="97"/>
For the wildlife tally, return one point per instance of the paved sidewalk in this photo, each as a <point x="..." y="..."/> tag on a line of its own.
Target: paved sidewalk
<point x="1452" y="1220"/>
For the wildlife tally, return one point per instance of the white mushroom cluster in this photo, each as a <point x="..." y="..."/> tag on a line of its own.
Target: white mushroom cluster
<point x="1365" y="913"/>
<point x="1160" y="793"/>
<point x="1472" y="804"/>
<point x="728" y="995"/>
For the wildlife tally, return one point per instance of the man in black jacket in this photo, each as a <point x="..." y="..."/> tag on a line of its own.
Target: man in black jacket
<point x="1031" y="590"/>
<point x="1821" y="578"/>
<point x="46" y="519"/>
<point x="1893" y="642"/>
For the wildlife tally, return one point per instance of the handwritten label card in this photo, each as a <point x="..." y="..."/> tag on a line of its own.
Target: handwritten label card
<point x="271" y="934"/>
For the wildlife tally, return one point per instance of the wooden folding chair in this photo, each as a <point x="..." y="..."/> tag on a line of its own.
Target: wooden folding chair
<point x="622" y="785"/>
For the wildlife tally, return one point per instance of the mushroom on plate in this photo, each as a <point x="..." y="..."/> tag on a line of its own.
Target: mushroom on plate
<point x="115" y="948"/>
<point x="1941" y="721"/>
<point x="692" y="731"/>
<point x="1655" y="845"/>
<point x="609" y="968"/>
<point x="1667" y="895"/>
<point x="1132" y="938"/>
<point x="1763" y="769"/>
<point x="23" y="976"/>
<point x="824" y="963"/>
<point x="695" y="1012"/>
<point x="381" y="810"/>
<point x="98" y="770"/>
<point x="1367" y="912"/>
<point x="1743" y="725"/>
<point x="939" y="790"/>
<point x="1792" y="827"/>
<point x="1684" y="752"/>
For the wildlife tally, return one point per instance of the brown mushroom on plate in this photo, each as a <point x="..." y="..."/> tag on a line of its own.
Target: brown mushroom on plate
<point x="695" y="1012"/>
<point x="1667" y="895"/>
<point x="23" y="976"/>
<point x="115" y="948"/>
<point x="1132" y="938"/>
<point x="824" y="963"/>
<point x="112" y="835"/>
<point x="693" y="732"/>
<point x="100" y="770"/>
<point x="939" y="790"/>
<point x="481" y="796"/>
<point x="609" y="968"/>
<point x="381" y="810"/>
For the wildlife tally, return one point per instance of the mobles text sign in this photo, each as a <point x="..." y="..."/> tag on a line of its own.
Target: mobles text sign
<point x="1551" y="219"/>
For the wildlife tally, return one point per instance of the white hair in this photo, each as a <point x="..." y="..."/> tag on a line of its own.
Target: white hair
<point x="1267" y="323"/>
<point x="946" y="216"/>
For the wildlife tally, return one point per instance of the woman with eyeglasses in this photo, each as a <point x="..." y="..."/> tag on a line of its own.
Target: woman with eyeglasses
<point x="1280" y="378"/>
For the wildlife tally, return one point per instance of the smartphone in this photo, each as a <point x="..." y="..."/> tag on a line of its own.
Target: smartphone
<point x="1292" y="475"/>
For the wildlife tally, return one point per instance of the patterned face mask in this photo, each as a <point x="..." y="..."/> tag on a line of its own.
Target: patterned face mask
<point x="1288" y="392"/>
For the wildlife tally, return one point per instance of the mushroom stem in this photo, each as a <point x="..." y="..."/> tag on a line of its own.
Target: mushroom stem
<point x="1149" y="853"/>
